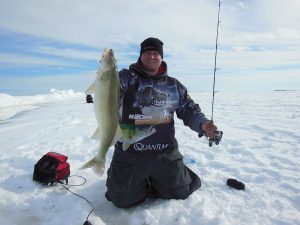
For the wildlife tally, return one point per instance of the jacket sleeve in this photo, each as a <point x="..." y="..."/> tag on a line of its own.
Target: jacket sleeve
<point x="124" y="76"/>
<point x="189" y="111"/>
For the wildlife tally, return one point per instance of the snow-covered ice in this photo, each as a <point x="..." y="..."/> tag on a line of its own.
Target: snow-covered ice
<point x="260" y="147"/>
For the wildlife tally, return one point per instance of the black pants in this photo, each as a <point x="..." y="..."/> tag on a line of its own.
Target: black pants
<point x="132" y="175"/>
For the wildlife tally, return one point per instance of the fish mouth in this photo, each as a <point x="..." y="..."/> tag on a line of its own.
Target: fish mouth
<point x="108" y="54"/>
<point x="108" y="58"/>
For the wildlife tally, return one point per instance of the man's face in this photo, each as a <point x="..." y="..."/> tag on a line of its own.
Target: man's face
<point x="151" y="61"/>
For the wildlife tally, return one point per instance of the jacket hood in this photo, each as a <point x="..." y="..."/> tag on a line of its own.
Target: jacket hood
<point x="139" y="68"/>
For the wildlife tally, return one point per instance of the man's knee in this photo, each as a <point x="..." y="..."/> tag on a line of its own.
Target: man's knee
<point x="181" y="192"/>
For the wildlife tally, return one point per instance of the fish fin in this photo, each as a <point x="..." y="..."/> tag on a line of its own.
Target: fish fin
<point x="97" y="165"/>
<point x="117" y="136"/>
<point x="125" y="146"/>
<point x="152" y="131"/>
<point x="96" y="135"/>
<point x="91" y="89"/>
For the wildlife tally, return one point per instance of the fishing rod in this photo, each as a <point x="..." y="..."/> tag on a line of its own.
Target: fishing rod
<point x="215" y="66"/>
<point x="218" y="134"/>
<point x="234" y="183"/>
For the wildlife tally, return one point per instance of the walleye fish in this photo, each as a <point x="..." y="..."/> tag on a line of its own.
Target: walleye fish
<point x="106" y="106"/>
<point x="106" y="103"/>
<point x="132" y="133"/>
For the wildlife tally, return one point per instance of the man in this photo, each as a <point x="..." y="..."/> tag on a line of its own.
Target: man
<point x="153" y="165"/>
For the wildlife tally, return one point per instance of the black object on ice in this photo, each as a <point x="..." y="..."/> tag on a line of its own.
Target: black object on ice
<point x="52" y="167"/>
<point x="236" y="184"/>
<point x="89" y="99"/>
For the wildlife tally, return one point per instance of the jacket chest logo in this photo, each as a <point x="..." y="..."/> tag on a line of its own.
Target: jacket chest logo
<point x="148" y="96"/>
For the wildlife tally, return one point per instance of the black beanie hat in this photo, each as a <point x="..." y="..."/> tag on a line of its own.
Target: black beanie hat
<point x="152" y="44"/>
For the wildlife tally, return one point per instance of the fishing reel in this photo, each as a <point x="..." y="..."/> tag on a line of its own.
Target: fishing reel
<point x="217" y="139"/>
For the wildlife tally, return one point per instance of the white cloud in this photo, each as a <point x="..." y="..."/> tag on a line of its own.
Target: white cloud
<point x="101" y="22"/>
<point x="8" y="59"/>
<point x="69" y="53"/>
<point x="254" y="35"/>
<point x="179" y="24"/>
<point x="280" y="14"/>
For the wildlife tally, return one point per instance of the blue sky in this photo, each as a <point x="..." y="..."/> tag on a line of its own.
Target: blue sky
<point x="57" y="43"/>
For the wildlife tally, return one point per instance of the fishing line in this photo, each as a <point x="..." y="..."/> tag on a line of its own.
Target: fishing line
<point x="215" y="66"/>
<point x="66" y="186"/>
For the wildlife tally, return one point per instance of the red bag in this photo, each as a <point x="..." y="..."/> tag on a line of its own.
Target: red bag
<point x="52" y="167"/>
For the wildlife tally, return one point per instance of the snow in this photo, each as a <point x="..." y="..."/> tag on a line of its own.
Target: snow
<point x="11" y="105"/>
<point x="260" y="147"/>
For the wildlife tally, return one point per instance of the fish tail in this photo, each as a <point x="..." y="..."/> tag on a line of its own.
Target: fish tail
<point x="97" y="165"/>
